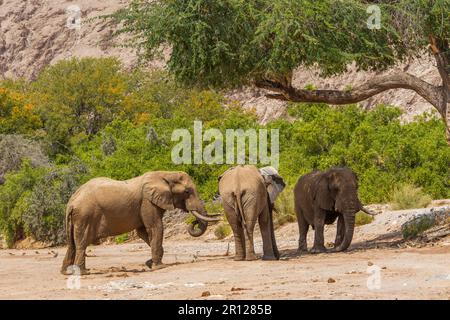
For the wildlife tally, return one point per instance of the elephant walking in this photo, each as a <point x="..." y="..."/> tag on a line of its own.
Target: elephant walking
<point x="104" y="207"/>
<point x="248" y="195"/>
<point x="321" y="198"/>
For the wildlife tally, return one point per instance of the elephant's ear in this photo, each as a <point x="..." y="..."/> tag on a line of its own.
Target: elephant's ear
<point x="322" y="194"/>
<point x="158" y="192"/>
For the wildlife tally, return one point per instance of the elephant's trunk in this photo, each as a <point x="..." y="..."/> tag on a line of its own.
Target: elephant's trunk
<point x="349" y="222"/>
<point x="197" y="228"/>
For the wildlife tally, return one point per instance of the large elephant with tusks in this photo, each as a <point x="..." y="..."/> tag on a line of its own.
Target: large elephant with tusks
<point x="104" y="207"/>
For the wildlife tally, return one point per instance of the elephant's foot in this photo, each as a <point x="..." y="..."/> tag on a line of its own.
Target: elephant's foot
<point x="154" y="265"/>
<point x="74" y="270"/>
<point x="338" y="248"/>
<point x="250" y="257"/>
<point x="239" y="258"/>
<point x="269" y="257"/>
<point x="318" y="249"/>
<point x="302" y="249"/>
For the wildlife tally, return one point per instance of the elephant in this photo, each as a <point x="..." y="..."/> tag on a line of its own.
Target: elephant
<point x="322" y="197"/>
<point x="104" y="207"/>
<point x="248" y="194"/>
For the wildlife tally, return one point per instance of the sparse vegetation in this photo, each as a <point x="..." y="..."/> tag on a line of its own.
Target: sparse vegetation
<point x="122" y="238"/>
<point x="284" y="206"/>
<point x="362" y="218"/>
<point x="222" y="230"/>
<point x="413" y="228"/>
<point x="409" y="197"/>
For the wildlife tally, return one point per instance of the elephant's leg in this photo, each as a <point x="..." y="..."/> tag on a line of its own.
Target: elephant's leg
<point x="238" y="232"/>
<point x="152" y="220"/>
<point x="340" y="233"/>
<point x="319" y="222"/>
<point x="143" y="234"/>
<point x="82" y="238"/>
<point x="303" y="227"/>
<point x="266" y="232"/>
<point x="69" y="258"/>
<point x="249" y="245"/>
<point x="239" y="241"/>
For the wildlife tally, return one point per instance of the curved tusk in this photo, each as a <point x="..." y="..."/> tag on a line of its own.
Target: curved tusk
<point x="204" y="218"/>
<point x="368" y="211"/>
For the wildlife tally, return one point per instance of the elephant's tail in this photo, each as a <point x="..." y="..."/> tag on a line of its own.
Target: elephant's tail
<point x="69" y="227"/>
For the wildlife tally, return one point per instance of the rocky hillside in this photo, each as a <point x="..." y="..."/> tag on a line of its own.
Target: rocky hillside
<point x="35" y="33"/>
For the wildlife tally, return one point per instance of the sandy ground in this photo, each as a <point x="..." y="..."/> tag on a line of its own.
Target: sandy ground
<point x="200" y="269"/>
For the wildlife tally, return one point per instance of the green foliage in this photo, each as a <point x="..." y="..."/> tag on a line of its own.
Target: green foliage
<point x="222" y="230"/>
<point x="33" y="202"/>
<point x="16" y="114"/>
<point x="284" y="206"/>
<point x="409" y="197"/>
<point x="122" y="238"/>
<point x="79" y="96"/>
<point x="415" y="227"/>
<point x="230" y="42"/>
<point x="362" y="218"/>
<point x="382" y="152"/>
<point x="13" y="195"/>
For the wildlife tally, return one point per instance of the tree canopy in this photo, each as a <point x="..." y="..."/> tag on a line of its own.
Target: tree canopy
<point x="229" y="43"/>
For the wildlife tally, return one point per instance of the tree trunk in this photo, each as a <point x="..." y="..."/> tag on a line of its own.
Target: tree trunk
<point x="438" y="96"/>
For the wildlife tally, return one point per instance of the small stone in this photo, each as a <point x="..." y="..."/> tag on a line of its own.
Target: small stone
<point x="331" y="280"/>
<point x="206" y="294"/>
<point x="384" y="268"/>
<point x="370" y="263"/>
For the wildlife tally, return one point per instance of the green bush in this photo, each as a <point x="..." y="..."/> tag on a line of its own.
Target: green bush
<point x="222" y="230"/>
<point x="362" y="218"/>
<point x="284" y="206"/>
<point x="122" y="238"/>
<point x="415" y="227"/>
<point x="409" y="197"/>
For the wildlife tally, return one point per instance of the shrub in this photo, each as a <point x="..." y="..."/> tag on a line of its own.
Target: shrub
<point x="284" y="206"/>
<point x="222" y="230"/>
<point x="15" y="148"/>
<point x="409" y="197"/>
<point x="13" y="195"/>
<point x="362" y="218"/>
<point x="413" y="228"/>
<point x="122" y="238"/>
<point x="43" y="211"/>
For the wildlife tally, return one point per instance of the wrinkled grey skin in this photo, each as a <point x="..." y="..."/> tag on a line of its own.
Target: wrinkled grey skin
<point x="104" y="207"/>
<point x="246" y="195"/>
<point x="321" y="198"/>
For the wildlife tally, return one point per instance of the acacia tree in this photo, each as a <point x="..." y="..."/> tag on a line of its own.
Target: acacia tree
<point x="230" y="43"/>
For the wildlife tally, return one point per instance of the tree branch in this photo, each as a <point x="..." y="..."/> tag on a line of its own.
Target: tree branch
<point x="374" y="86"/>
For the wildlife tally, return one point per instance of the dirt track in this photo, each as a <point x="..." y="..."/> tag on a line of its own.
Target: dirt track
<point x="197" y="267"/>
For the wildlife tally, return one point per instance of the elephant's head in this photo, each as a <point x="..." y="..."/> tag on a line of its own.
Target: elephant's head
<point x="274" y="182"/>
<point x="175" y="190"/>
<point x="337" y="190"/>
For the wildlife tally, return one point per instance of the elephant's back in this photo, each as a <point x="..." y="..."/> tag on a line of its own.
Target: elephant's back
<point x="303" y="189"/>
<point x="100" y="191"/>
<point x="242" y="179"/>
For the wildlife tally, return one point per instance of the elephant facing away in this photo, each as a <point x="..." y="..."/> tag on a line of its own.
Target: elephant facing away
<point x="321" y="198"/>
<point x="248" y="195"/>
<point x="104" y="207"/>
